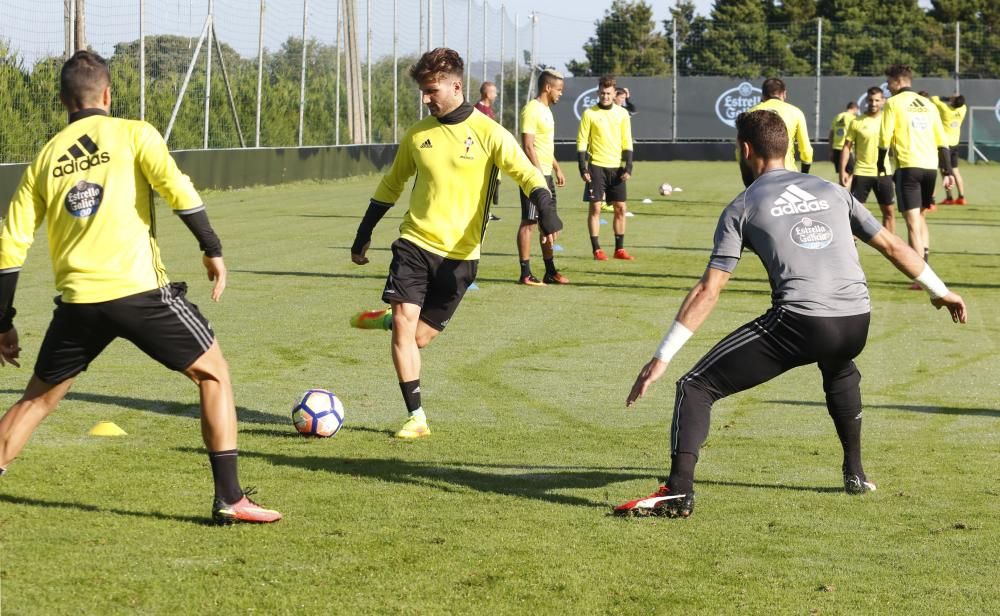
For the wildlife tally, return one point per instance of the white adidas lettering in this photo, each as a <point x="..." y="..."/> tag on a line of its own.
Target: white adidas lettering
<point x="795" y="200"/>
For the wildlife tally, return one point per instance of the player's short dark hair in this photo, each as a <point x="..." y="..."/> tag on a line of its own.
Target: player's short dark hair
<point x="437" y="64"/>
<point x="765" y="131"/>
<point x="619" y="91"/>
<point x="484" y="85"/>
<point x="852" y="105"/>
<point x="874" y="90"/>
<point x="772" y="87"/>
<point x="958" y="101"/>
<point x="83" y="79"/>
<point x="548" y="77"/>
<point x="899" y="71"/>
<point x="607" y="81"/>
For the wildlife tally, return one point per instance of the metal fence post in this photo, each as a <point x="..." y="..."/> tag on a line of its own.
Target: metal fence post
<point x="485" y="38"/>
<point x="430" y="24"/>
<point x="517" y="78"/>
<point x="395" y="71"/>
<point x="208" y="74"/>
<point x="260" y="71"/>
<point x="368" y="59"/>
<point x="673" y="86"/>
<point x="819" y="52"/>
<point x="444" y="23"/>
<point x="503" y="20"/>
<point x="340" y="30"/>
<point x="468" y="44"/>
<point x="958" y="47"/>
<point x="142" y="59"/>
<point x="302" y="78"/>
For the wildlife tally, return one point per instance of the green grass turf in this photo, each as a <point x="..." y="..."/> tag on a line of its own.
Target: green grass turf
<point x="504" y="509"/>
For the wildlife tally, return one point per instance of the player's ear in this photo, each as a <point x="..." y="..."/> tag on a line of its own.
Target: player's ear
<point x="106" y="97"/>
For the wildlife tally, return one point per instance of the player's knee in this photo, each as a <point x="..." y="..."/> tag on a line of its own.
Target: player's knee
<point x="211" y="366"/>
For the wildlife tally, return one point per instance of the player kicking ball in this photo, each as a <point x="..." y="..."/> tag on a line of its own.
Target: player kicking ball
<point x="93" y="183"/>
<point x="802" y="228"/>
<point x="455" y="153"/>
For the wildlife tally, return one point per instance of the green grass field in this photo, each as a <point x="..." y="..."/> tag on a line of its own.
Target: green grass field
<point x="504" y="510"/>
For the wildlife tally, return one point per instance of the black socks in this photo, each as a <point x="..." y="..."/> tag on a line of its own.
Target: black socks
<point x="411" y="394"/>
<point x="227" y="484"/>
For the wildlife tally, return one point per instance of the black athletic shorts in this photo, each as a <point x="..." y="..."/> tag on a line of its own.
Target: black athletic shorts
<point x="588" y="194"/>
<point x="436" y="284"/>
<point x="954" y="156"/>
<point x="915" y="187"/>
<point x="608" y="182"/>
<point x="835" y="159"/>
<point x="529" y="211"/>
<point x="861" y="185"/>
<point x="161" y="322"/>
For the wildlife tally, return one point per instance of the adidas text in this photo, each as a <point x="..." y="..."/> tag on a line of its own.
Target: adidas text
<point x="82" y="164"/>
<point x="800" y="208"/>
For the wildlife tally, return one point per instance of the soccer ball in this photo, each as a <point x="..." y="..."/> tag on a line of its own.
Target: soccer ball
<point x="318" y="413"/>
<point x="666" y="189"/>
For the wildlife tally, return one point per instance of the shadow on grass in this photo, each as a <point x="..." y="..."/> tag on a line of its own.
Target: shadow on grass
<point x="539" y="484"/>
<point x="156" y="515"/>
<point x="161" y="407"/>
<point x="767" y="486"/>
<point x="913" y="408"/>
<point x="379" y="276"/>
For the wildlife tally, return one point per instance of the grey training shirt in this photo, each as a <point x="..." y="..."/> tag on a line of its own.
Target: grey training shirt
<point x="802" y="228"/>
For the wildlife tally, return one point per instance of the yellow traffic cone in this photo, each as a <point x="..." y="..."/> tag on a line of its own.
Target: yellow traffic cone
<point x="106" y="428"/>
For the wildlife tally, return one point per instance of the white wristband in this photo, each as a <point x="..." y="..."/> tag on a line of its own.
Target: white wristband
<point x="676" y="336"/>
<point x="934" y="286"/>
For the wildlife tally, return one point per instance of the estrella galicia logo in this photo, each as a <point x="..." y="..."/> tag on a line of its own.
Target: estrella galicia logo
<point x="811" y="234"/>
<point x="84" y="199"/>
<point x="584" y="101"/>
<point x="735" y="101"/>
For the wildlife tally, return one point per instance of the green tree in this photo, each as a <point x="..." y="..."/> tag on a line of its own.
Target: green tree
<point x="626" y="43"/>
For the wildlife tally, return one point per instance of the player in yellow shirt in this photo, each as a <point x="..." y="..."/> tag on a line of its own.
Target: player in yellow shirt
<point x="604" y="153"/>
<point x="538" y="141"/>
<point x="93" y="185"/>
<point x="952" y="111"/>
<point x="912" y="127"/>
<point x="774" y="94"/>
<point x="455" y="153"/>
<point x="862" y="141"/>
<point x="838" y="131"/>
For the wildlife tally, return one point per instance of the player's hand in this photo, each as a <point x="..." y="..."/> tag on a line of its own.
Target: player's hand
<point x="647" y="376"/>
<point x="216" y="269"/>
<point x="560" y="179"/>
<point x="625" y="176"/>
<point x="10" y="350"/>
<point x="550" y="238"/>
<point x="359" y="258"/>
<point x="844" y="179"/>
<point x="586" y="176"/>
<point x="948" y="181"/>
<point x="955" y="305"/>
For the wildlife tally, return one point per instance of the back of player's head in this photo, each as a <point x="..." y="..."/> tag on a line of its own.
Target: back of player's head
<point x="899" y="71"/>
<point x="548" y="77"/>
<point x="437" y="64"/>
<point x="872" y="91"/>
<point x="607" y="81"/>
<point x="958" y="101"/>
<point x="83" y="79"/>
<point x="619" y="91"/>
<point x="484" y="88"/>
<point x="851" y="106"/>
<point x="765" y="131"/>
<point x="772" y="87"/>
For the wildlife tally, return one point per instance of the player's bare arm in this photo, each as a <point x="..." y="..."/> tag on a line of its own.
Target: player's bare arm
<point x="528" y="145"/>
<point x="216" y="270"/>
<point x="558" y="173"/>
<point x="845" y="156"/>
<point x="694" y="311"/>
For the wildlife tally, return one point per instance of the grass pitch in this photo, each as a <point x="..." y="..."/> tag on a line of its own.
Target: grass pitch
<point x="504" y="509"/>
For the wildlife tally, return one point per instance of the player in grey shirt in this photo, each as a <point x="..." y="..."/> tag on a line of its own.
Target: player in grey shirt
<point x="802" y="228"/>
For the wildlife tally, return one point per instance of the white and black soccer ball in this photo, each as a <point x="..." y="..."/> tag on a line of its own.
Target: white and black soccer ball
<point x="666" y="189"/>
<point x="318" y="413"/>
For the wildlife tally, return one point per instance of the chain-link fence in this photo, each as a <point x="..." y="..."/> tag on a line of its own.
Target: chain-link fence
<point x="260" y="86"/>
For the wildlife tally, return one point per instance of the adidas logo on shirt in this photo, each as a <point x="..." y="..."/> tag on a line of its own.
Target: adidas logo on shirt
<point x="795" y="200"/>
<point x="76" y="159"/>
<point x="426" y="144"/>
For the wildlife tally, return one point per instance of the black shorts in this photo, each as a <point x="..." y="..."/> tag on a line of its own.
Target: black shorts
<point x="608" y="182"/>
<point x="161" y="322"/>
<point x="529" y="211"/>
<point x="835" y="159"/>
<point x="436" y="284"/>
<point x="861" y="185"/>
<point x="954" y="156"/>
<point x="915" y="187"/>
<point x="588" y="194"/>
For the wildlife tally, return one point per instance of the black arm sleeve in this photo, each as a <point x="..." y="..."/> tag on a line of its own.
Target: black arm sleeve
<point x="806" y="167"/>
<point x="376" y="210"/>
<point x="880" y="165"/>
<point x="197" y="223"/>
<point x="629" y="106"/>
<point x="581" y="161"/>
<point x="8" y="283"/>
<point x="548" y="219"/>
<point x="627" y="157"/>
<point x="944" y="160"/>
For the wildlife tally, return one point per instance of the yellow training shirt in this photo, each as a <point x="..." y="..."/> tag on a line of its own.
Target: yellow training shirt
<point x="863" y="133"/>
<point x="92" y="182"/>
<point x="839" y="129"/>
<point x="911" y="124"/>
<point x="456" y="166"/>
<point x="604" y="134"/>
<point x="795" y="122"/>
<point x="536" y="119"/>
<point x="951" y="119"/>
